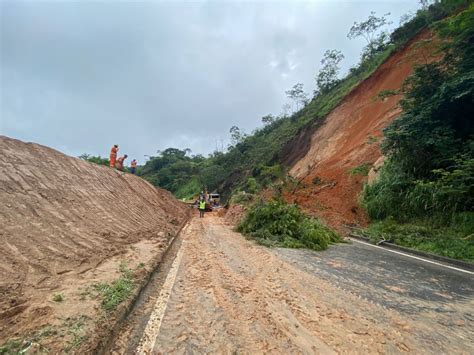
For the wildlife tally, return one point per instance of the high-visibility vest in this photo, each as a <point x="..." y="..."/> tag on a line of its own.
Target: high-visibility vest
<point x="202" y="205"/>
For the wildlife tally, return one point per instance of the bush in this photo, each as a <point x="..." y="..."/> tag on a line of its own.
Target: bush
<point x="362" y="169"/>
<point x="280" y="224"/>
<point x="241" y="198"/>
<point x="94" y="159"/>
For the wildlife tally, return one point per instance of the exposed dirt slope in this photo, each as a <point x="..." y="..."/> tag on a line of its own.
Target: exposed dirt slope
<point x="66" y="224"/>
<point x="350" y="137"/>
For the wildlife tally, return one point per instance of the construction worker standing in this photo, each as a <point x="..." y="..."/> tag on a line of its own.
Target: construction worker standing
<point x="202" y="208"/>
<point x="113" y="155"/>
<point x="119" y="162"/>
<point x="133" y="166"/>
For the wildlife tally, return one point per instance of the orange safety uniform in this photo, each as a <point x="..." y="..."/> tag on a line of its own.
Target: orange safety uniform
<point x="119" y="163"/>
<point x="113" y="156"/>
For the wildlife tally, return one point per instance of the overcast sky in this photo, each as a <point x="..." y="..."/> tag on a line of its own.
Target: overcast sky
<point x="80" y="76"/>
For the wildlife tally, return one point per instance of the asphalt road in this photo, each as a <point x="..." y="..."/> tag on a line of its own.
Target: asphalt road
<point x="389" y="279"/>
<point x="421" y="290"/>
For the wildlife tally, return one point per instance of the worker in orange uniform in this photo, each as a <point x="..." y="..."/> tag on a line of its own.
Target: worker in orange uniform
<point x="119" y="162"/>
<point x="133" y="166"/>
<point x="113" y="155"/>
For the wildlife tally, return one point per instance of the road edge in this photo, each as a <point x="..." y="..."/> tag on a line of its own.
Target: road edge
<point x="128" y="306"/>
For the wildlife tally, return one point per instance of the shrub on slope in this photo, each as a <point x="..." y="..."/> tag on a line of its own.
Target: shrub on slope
<point x="281" y="224"/>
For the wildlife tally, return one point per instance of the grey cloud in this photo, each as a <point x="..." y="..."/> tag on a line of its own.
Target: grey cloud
<point x="80" y="76"/>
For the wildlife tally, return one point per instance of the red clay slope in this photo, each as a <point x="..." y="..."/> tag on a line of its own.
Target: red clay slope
<point x="346" y="140"/>
<point x="65" y="225"/>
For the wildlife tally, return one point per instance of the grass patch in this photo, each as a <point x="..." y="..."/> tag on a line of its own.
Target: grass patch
<point x="316" y="180"/>
<point x="362" y="169"/>
<point x="76" y="333"/>
<point x="58" y="297"/>
<point x="12" y="346"/>
<point x="454" y="241"/>
<point x="22" y="345"/>
<point x="118" y="291"/>
<point x="371" y="140"/>
<point x="277" y="223"/>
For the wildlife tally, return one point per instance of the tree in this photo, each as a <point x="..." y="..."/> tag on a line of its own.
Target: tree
<point x="297" y="94"/>
<point x="369" y="30"/>
<point x="327" y="77"/>
<point x="424" y="4"/>
<point x="268" y="119"/>
<point x="235" y="135"/>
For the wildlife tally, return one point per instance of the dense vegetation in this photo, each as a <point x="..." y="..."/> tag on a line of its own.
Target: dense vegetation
<point x="277" y="223"/>
<point x="427" y="182"/>
<point x="254" y="161"/>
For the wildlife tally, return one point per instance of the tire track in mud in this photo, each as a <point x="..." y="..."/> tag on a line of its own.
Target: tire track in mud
<point x="234" y="296"/>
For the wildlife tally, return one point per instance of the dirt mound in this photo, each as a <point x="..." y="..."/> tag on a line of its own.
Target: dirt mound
<point x="234" y="214"/>
<point x="67" y="224"/>
<point x="332" y="171"/>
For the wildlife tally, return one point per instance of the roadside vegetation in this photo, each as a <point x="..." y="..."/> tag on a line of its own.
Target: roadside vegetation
<point x="118" y="291"/>
<point x="429" y="235"/>
<point x="72" y="332"/>
<point x="276" y="223"/>
<point x="31" y="342"/>
<point x="424" y="195"/>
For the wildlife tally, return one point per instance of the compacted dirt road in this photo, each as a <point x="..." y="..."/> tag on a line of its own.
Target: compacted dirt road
<point x="222" y="293"/>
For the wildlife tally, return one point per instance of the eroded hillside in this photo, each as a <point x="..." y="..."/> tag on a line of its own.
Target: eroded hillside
<point x="331" y="161"/>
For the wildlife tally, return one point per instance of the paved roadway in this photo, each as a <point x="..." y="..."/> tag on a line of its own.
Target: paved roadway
<point x="389" y="279"/>
<point x="425" y="291"/>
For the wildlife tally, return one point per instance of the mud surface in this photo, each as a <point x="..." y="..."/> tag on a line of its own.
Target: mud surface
<point x="350" y="137"/>
<point x="233" y="296"/>
<point x="67" y="224"/>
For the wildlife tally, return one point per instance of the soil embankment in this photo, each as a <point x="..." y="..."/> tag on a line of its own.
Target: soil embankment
<point x="335" y="160"/>
<point x="66" y="225"/>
